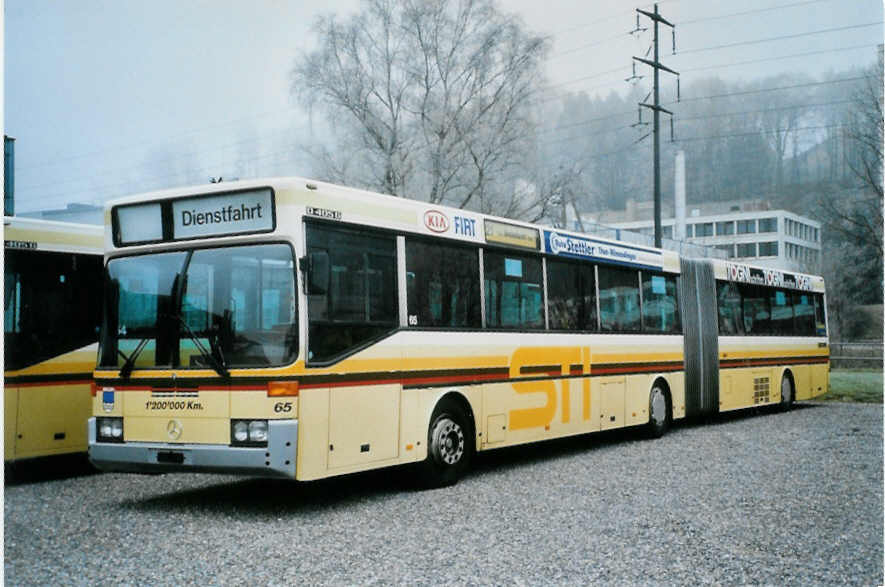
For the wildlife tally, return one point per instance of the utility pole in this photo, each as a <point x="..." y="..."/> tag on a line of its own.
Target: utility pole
<point x="657" y="109"/>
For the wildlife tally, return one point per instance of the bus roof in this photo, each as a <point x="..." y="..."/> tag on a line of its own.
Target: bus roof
<point x="389" y="212"/>
<point x="51" y="235"/>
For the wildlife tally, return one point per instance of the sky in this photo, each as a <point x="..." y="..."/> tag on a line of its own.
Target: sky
<point x="110" y="97"/>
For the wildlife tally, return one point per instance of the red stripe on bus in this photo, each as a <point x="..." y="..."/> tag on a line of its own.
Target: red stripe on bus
<point x="46" y="383"/>
<point x="738" y="363"/>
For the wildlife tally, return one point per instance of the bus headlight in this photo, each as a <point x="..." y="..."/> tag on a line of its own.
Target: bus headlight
<point x="241" y="431"/>
<point x="109" y="430"/>
<point x="258" y="431"/>
<point x="248" y="432"/>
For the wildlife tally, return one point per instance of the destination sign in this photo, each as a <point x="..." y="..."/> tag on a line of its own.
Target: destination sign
<point x="218" y="214"/>
<point x="587" y="248"/>
<point x="214" y="215"/>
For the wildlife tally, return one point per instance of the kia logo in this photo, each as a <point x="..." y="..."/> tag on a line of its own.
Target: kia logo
<point x="436" y="221"/>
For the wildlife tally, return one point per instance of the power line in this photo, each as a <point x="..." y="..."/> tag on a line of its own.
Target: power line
<point x="794" y="86"/>
<point x="148" y="178"/>
<point x="685" y="118"/>
<point x="194" y="131"/>
<point x="746" y="12"/>
<point x="590" y="120"/>
<point x="733" y="64"/>
<point x="779" y="38"/>
<point x="545" y="131"/>
<point x="761" y="132"/>
<point x="584" y="136"/>
<point x="172" y="157"/>
<point x="590" y="45"/>
<point x="724" y="65"/>
<point x="586" y="77"/>
<point x="162" y="142"/>
<point x="759" y="111"/>
<point x="614" y="16"/>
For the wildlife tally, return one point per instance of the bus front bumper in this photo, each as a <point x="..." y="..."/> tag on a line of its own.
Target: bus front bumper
<point x="277" y="459"/>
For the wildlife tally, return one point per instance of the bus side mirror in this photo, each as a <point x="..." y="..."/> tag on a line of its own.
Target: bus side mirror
<point x="315" y="270"/>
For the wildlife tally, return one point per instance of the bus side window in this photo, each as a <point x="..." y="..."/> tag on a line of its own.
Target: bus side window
<point x="514" y="295"/>
<point x="571" y="295"/>
<point x="820" y="319"/>
<point x="52" y="304"/>
<point x="442" y="285"/>
<point x="731" y="320"/>
<point x="360" y="303"/>
<point x="781" y="312"/>
<point x="660" y="310"/>
<point x="757" y="316"/>
<point x="803" y="309"/>
<point x="618" y="299"/>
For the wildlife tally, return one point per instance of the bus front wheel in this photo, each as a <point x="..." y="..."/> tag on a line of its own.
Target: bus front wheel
<point x="449" y="446"/>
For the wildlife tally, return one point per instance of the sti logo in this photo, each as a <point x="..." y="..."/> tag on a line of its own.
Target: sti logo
<point x="436" y="221"/>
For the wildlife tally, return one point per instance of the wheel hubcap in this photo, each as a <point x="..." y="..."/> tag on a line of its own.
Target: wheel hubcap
<point x="658" y="406"/>
<point x="448" y="441"/>
<point x="786" y="391"/>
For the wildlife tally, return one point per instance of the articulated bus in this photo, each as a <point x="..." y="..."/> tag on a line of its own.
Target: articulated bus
<point x="291" y="328"/>
<point x="52" y="284"/>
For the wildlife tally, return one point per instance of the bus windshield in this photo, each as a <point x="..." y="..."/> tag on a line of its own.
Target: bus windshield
<point x="205" y="308"/>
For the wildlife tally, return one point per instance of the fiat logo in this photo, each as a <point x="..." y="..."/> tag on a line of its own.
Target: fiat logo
<point x="436" y="221"/>
<point x="173" y="429"/>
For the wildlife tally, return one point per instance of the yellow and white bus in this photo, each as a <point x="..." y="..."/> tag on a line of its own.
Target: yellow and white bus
<point x="52" y="284"/>
<point x="298" y="329"/>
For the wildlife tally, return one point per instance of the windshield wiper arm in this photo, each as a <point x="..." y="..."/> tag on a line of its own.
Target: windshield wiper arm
<point x="126" y="369"/>
<point x="216" y="363"/>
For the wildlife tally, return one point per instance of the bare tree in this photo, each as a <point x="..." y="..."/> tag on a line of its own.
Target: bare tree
<point x="856" y="213"/>
<point x="358" y="72"/>
<point x="429" y="99"/>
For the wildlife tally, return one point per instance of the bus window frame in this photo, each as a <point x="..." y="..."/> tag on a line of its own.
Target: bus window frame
<point x="56" y="345"/>
<point x="189" y="249"/>
<point x="452" y="243"/>
<point x="516" y="252"/>
<point x="350" y="351"/>
<point x="769" y="291"/>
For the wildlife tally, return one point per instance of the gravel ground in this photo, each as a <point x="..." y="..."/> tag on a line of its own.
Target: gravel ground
<point x="771" y="498"/>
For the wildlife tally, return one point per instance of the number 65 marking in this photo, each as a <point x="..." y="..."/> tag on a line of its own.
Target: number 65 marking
<point x="281" y="407"/>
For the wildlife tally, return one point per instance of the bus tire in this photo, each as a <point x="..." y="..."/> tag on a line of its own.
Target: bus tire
<point x="449" y="446"/>
<point x="658" y="411"/>
<point x="787" y="392"/>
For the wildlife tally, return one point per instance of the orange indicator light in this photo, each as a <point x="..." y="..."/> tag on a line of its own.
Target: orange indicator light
<point x="280" y="388"/>
<point x="409" y="447"/>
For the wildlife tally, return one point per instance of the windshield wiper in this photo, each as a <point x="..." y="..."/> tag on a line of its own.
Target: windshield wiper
<point x="129" y="364"/>
<point x="217" y="362"/>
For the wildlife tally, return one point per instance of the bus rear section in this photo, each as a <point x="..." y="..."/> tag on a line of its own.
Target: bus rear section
<point x="52" y="305"/>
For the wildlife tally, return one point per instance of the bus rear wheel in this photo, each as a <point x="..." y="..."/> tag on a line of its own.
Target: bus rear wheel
<point x="658" y="416"/>
<point x="449" y="446"/>
<point x="786" y="392"/>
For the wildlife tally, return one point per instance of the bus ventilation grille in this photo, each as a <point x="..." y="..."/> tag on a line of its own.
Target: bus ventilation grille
<point x="174" y="393"/>
<point x="761" y="390"/>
